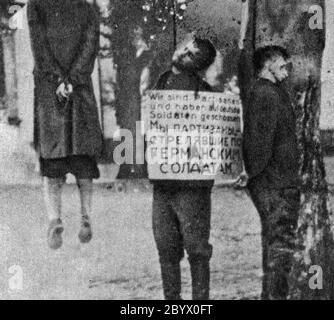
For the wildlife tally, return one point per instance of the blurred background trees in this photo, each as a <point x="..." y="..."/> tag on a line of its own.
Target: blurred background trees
<point x="7" y="9"/>
<point x="140" y="37"/>
<point x="3" y="26"/>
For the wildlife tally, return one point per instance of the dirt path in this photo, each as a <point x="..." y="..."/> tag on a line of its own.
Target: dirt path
<point x="121" y="262"/>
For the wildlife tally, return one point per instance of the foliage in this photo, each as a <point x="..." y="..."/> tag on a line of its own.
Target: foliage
<point x="154" y="17"/>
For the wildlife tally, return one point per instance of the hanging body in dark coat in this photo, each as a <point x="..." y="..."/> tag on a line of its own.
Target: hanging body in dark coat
<point x="65" y="43"/>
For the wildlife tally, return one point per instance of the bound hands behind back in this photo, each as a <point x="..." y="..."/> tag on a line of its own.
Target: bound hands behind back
<point x="64" y="91"/>
<point x="241" y="182"/>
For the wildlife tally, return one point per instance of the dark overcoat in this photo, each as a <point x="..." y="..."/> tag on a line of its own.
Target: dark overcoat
<point x="65" y="42"/>
<point x="270" y="145"/>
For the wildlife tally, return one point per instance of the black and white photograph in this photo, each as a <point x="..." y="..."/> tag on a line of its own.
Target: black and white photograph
<point x="166" y="150"/>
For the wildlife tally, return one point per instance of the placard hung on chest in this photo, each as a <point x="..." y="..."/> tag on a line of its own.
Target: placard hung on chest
<point x="192" y="136"/>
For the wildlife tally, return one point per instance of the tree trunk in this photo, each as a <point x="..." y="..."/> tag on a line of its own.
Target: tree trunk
<point x="10" y="77"/>
<point x="2" y="70"/>
<point x="287" y="23"/>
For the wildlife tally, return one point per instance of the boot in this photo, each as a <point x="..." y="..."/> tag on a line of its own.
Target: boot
<point x="171" y="281"/>
<point x="200" y="274"/>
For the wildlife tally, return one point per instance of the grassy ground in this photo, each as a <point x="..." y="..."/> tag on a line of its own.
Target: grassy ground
<point x="121" y="262"/>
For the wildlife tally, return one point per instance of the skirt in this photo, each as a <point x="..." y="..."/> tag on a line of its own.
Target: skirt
<point x="81" y="166"/>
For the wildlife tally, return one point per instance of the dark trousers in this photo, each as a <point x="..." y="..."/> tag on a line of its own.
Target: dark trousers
<point x="278" y="210"/>
<point x="181" y="220"/>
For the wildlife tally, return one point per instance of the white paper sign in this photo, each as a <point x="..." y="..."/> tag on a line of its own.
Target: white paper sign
<point x="192" y="137"/>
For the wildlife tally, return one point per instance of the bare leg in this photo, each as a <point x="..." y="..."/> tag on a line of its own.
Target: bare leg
<point x="52" y="191"/>
<point x="86" y="194"/>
